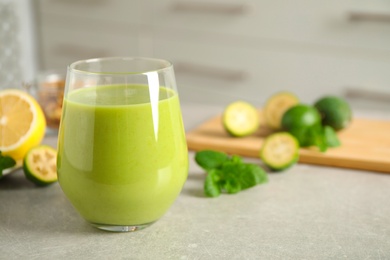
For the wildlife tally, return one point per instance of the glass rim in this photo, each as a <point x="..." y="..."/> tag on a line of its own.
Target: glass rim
<point x="166" y="65"/>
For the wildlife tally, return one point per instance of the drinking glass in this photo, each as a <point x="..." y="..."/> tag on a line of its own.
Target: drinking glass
<point x="122" y="153"/>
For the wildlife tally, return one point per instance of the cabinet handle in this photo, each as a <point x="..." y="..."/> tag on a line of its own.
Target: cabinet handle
<point x="217" y="8"/>
<point x="368" y="16"/>
<point x="94" y="2"/>
<point x="210" y="71"/>
<point x="367" y="94"/>
<point x="78" y="51"/>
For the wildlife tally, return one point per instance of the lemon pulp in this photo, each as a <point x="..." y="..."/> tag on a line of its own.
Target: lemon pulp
<point x="22" y="123"/>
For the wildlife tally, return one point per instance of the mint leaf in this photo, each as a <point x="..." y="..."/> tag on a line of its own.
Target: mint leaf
<point x="258" y="173"/>
<point x="317" y="137"/>
<point x="208" y="159"/>
<point x="331" y="137"/>
<point x="211" y="185"/>
<point x="250" y="175"/>
<point x="228" y="174"/>
<point x="311" y="136"/>
<point x="236" y="159"/>
<point x="323" y="137"/>
<point x="232" y="185"/>
<point x="5" y="163"/>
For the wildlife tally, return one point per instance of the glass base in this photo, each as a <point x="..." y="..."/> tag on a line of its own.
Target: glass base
<point x="119" y="228"/>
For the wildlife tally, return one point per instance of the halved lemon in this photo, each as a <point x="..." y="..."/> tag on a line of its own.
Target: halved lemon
<point x="22" y="123"/>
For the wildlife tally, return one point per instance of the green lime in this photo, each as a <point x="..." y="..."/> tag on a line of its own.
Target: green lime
<point x="39" y="165"/>
<point x="280" y="151"/>
<point x="301" y="121"/>
<point x="335" y="112"/>
<point x="275" y="107"/>
<point x="240" y="119"/>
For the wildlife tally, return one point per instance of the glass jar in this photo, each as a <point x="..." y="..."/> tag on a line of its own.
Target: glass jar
<point x="50" y="92"/>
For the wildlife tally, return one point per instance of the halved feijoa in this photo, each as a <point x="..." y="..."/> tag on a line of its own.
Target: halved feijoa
<point x="39" y="165"/>
<point x="240" y="119"/>
<point x="280" y="151"/>
<point x="275" y="107"/>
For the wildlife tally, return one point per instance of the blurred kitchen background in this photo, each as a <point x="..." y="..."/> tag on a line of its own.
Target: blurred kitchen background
<point x="222" y="50"/>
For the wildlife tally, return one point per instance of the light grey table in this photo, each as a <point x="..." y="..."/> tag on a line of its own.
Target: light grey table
<point x="307" y="212"/>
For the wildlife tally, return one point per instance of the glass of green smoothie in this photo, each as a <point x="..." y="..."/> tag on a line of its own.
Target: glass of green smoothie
<point x="122" y="153"/>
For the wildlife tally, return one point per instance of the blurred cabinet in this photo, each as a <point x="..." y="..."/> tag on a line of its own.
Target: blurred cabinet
<point x="223" y="50"/>
<point x="74" y="30"/>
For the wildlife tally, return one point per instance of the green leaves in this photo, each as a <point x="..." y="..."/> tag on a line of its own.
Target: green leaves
<point x="323" y="137"/>
<point x="331" y="137"/>
<point x="211" y="187"/>
<point x="228" y="174"/>
<point x="316" y="135"/>
<point x="210" y="159"/>
<point x="5" y="163"/>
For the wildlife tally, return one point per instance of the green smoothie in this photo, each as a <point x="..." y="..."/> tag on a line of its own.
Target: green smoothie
<point x="122" y="159"/>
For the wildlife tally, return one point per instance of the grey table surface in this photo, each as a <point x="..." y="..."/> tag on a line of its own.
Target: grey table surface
<point x="306" y="212"/>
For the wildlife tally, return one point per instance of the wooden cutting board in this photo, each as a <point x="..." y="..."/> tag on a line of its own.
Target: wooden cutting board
<point x="365" y="144"/>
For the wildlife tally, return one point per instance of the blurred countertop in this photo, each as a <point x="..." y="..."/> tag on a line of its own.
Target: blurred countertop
<point x="306" y="212"/>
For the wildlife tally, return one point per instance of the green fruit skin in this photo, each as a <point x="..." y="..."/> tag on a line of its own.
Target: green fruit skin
<point x="298" y="119"/>
<point x="280" y="168"/>
<point x="335" y="112"/>
<point x="34" y="179"/>
<point x="300" y="115"/>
